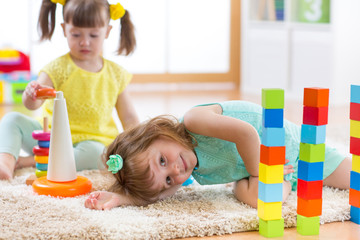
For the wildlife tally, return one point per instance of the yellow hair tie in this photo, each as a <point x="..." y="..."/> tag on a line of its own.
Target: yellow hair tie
<point x="116" y="11"/>
<point x="62" y="2"/>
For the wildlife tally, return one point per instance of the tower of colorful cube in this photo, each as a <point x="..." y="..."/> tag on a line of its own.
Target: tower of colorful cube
<point x="354" y="194"/>
<point x="311" y="163"/>
<point x="271" y="167"/>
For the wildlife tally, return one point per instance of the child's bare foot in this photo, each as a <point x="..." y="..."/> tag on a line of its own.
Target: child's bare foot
<point x="23" y="162"/>
<point x="7" y="166"/>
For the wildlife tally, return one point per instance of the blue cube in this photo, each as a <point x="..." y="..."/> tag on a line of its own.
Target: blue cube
<point x="273" y="118"/>
<point x="273" y="137"/>
<point x="313" y="134"/>
<point x="355" y="94"/>
<point x="355" y="214"/>
<point x="310" y="171"/>
<point x="270" y="192"/>
<point x="355" y="180"/>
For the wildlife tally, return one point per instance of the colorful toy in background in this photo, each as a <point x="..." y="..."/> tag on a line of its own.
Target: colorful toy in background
<point x="311" y="163"/>
<point x="271" y="167"/>
<point x="354" y="193"/>
<point x="41" y="151"/>
<point x="14" y="75"/>
<point x="61" y="179"/>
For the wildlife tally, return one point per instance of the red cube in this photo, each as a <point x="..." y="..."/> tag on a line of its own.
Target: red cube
<point x="315" y="115"/>
<point x="309" y="189"/>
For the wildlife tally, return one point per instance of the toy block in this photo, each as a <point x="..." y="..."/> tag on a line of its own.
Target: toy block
<point x="271" y="174"/>
<point x="271" y="228"/>
<point x="309" y="189"/>
<point x="354" y="197"/>
<point x="17" y="91"/>
<point x="355" y="214"/>
<point x="273" y="118"/>
<point x="312" y="152"/>
<point x="355" y="128"/>
<point x="270" y="192"/>
<point x="309" y="208"/>
<point x="272" y="155"/>
<point x="269" y="211"/>
<point x="316" y="97"/>
<point x="355" y="111"/>
<point x="30" y="179"/>
<point x="272" y="98"/>
<point x="310" y="171"/>
<point x="308" y="225"/>
<point x="355" y="180"/>
<point x="355" y="163"/>
<point x="315" y="115"/>
<point x="273" y="137"/>
<point x="313" y="134"/>
<point x="355" y="94"/>
<point x="355" y="145"/>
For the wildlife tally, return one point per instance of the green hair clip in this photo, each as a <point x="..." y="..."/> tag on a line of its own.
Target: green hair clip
<point x="115" y="163"/>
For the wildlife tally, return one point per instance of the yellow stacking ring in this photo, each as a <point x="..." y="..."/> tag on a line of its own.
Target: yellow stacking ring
<point x="41" y="159"/>
<point x="40" y="173"/>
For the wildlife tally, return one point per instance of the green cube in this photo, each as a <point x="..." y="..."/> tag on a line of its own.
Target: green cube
<point x="312" y="152"/>
<point x="272" y="98"/>
<point x="271" y="228"/>
<point x="308" y="225"/>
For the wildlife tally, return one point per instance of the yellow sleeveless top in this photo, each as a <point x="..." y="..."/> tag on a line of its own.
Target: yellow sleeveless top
<point x="90" y="97"/>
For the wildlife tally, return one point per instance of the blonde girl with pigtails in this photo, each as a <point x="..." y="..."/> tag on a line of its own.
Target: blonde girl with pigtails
<point x="91" y="85"/>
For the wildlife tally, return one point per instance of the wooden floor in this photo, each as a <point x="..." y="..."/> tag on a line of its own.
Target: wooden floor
<point x="332" y="231"/>
<point x="176" y="101"/>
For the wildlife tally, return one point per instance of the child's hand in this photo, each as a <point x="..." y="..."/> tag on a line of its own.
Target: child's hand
<point x="102" y="200"/>
<point x="31" y="89"/>
<point x="288" y="168"/>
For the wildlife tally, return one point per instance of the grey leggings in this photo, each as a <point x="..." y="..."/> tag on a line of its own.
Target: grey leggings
<point x="15" y="134"/>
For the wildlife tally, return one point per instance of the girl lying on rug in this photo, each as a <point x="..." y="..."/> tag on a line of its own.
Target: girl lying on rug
<point x="215" y="143"/>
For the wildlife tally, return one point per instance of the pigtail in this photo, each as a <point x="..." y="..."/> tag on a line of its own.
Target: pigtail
<point x="46" y="22"/>
<point x="127" y="35"/>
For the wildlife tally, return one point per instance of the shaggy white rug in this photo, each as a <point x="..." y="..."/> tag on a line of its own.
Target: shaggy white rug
<point x="193" y="211"/>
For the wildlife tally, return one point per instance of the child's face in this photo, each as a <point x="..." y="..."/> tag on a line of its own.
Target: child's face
<point x="85" y="43"/>
<point x="171" y="163"/>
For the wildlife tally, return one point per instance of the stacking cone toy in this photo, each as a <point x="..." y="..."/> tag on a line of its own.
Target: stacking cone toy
<point x="61" y="179"/>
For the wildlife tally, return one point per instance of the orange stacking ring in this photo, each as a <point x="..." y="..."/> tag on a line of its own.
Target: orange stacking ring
<point x="45" y="93"/>
<point x="41" y="159"/>
<point x="81" y="185"/>
<point x="39" y="151"/>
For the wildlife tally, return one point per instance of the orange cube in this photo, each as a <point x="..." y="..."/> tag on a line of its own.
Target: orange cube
<point x="316" y="97"/>
<point x="354" y="198"/>
<point x="309" y="208"/>
<point x="272" y="155"/>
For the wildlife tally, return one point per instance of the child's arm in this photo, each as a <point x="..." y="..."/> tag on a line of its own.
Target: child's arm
<point x="246" y="189"/>
<point x="28" y="97"/>
<point x="126" y="111"/>
<point x="209" y="121"/>
<point x="102" y="200"/>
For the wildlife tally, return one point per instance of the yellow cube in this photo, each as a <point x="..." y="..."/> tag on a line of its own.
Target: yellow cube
<point x="355" y="128"/>
<point x="271" y="173"/>
<point x="269" y="210"/>
<point x="355" y="163"/>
